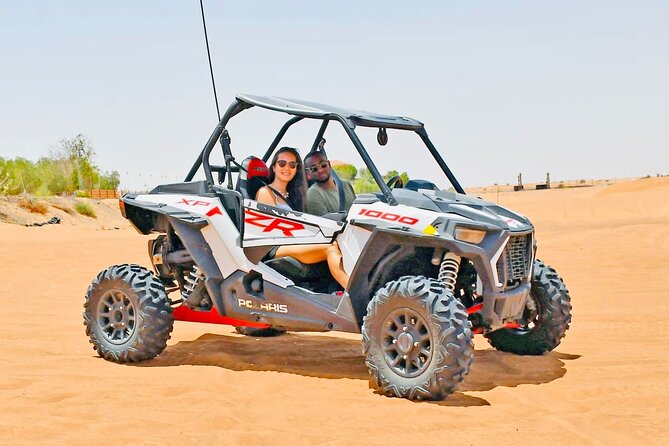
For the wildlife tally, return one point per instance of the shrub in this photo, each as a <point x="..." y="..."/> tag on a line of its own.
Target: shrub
<point x="5" y="184"/>
<point x="84" y="209"/>
<point x="34" y="206"/>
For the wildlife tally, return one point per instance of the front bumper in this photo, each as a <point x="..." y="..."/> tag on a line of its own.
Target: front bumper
<point x="505" y="306"/>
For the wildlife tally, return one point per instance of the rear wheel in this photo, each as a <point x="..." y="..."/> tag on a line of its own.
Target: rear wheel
<point x="127" y="314"/>
<point x="417" y="339"/>
<point x="545" y="320"/>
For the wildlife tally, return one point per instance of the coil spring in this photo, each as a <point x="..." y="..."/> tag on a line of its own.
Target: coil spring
<point x="193" y="279"/>
<point x="448" y="271"/>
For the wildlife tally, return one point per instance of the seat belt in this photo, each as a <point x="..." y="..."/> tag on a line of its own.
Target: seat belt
<point x="340" y="188"/>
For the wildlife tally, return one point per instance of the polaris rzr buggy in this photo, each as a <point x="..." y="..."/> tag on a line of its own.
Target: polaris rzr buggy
<point x="428" y="267"/>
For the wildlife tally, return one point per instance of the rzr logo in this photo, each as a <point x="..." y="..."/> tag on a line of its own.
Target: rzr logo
<point x="194" y="202"/>
<point x="388" y="216"/>
<point x="272" y="223"/>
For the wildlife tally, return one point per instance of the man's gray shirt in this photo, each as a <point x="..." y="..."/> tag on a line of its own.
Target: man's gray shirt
<point x="321" y="201"/>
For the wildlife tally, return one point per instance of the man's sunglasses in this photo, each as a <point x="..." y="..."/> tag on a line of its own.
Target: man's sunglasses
<point x="291" y="164"/>
<point x="321" y="165"/>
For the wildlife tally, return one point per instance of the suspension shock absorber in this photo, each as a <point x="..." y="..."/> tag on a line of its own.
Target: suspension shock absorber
<point x="448" y="271"/>
<point x="193" y="287"/>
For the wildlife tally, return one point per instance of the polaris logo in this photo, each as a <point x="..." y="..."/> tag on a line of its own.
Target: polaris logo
<point x="263" y="306"/>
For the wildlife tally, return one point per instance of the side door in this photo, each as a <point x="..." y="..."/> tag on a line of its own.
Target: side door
<point x="266" y="225"/>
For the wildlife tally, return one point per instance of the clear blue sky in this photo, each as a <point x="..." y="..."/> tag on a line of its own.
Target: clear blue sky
<point x="579" y="89"/>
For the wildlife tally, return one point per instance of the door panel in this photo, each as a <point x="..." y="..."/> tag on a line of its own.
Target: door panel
<point x="266" y="225"/>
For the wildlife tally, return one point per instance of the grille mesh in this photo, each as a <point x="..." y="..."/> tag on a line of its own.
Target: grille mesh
<point x="514" y="264"/>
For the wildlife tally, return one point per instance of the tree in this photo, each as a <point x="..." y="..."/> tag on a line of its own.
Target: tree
<point x="67" y="169"/>
<point x="110" y="180"/>
<point x="22" y="175"/>
<point x="346" y="171"/>
<point x="365" y="182"/>
<point x="53" y="180"/>
<point x="392" y="173"/>
<point x="80" y="153"/>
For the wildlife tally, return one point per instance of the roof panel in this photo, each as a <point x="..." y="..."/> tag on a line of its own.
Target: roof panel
<point x="309" y="109"/>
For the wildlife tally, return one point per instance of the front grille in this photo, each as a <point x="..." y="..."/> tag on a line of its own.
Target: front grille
<point x="514" y="263"/>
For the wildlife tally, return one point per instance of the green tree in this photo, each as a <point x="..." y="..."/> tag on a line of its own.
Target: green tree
<point x="67" y="169"/>
<point x="392" y="173"/>
<point x="54" y="182"/>
<point x="23" y="175"/>
<point x="80" y="153"/>
<point x="110" y="180"/>
<point x="365" y="182"/>
<point x="346" y="171"/>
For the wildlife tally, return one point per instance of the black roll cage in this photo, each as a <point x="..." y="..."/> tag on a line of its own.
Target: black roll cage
<point x="348" y="121"/>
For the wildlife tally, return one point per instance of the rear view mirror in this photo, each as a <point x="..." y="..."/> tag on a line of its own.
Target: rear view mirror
<point x="382" y="137"/>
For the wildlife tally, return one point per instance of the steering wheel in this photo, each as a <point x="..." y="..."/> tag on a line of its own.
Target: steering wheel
<point x="395" y="181"/>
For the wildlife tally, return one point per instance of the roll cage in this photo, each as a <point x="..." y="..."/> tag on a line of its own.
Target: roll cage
<point x="300" y="110"/>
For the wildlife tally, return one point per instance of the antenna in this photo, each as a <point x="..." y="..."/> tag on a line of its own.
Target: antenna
<point x="211" y="69"/>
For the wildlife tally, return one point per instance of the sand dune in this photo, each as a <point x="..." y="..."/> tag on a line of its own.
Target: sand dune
<point x="607" y="383"/>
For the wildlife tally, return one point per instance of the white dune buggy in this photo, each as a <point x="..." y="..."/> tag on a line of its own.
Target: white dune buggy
<point x="428" y="268"/>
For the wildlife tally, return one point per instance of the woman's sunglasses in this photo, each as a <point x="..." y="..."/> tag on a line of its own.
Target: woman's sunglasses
<point x="315" y="167"/>
<point x="291" y="164"/>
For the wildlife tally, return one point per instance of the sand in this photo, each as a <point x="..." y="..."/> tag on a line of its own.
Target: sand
<point x="607" y="383"/>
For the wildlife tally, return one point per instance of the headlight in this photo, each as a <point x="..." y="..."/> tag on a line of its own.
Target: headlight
<point x="469" y="235"/>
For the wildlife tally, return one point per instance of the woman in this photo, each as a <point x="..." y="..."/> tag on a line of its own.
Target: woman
<point x="287" y="190"/>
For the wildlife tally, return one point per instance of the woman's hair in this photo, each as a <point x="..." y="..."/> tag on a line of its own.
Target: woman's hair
<point x="297" y="187"/>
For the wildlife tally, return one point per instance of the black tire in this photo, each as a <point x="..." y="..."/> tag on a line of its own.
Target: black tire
<point x="434" y="358"/>
<point x="127" y="314"/>
<point x="260" y="332"/>
<point x="546" y="317"/>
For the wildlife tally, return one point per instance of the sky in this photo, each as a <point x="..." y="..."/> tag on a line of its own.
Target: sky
<point x="578" y="89"/>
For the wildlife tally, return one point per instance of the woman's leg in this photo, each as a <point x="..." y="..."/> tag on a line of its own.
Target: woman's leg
<point x="336" y="264"/>
<point x="304" y="253"/>
<point x="317" y="253"/>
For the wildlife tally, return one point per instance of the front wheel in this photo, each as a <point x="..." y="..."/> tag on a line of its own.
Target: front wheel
<point x="127" y="314"/>
<point x="545" y="320"/>
<point x="417" y="339"/>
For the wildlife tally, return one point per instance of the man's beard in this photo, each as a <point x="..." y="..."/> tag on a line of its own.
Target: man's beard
<point x="322" y="181"/>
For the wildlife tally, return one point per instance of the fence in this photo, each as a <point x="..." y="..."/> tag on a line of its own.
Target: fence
<point x="103" y="193"/>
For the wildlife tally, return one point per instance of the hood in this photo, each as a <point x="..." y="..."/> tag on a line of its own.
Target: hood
<point x="466" y="206"/>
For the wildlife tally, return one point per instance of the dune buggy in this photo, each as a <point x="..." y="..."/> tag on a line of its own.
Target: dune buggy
<point x="428" y="267"/>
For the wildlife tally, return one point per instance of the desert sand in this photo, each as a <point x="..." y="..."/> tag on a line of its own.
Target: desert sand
<point x="606" y="383"/>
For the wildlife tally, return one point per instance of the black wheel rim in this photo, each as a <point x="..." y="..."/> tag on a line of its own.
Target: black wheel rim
<point x="407" y="342"/>
<point x="116" y="316"/>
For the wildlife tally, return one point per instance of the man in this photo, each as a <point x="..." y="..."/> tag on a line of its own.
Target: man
<point x="323" y="195"/>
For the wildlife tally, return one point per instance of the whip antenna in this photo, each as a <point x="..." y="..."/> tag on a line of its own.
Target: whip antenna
<point x="211" y="69"/>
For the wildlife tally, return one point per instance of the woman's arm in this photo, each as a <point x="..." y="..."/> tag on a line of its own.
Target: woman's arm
<point x="265" y="196"/>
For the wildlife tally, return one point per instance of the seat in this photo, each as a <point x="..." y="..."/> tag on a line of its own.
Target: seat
<point x="253" y="175"/>
<point x="421" y="184"/>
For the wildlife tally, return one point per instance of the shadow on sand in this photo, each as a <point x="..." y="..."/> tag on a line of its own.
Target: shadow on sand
<point x="331" y="357"/>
